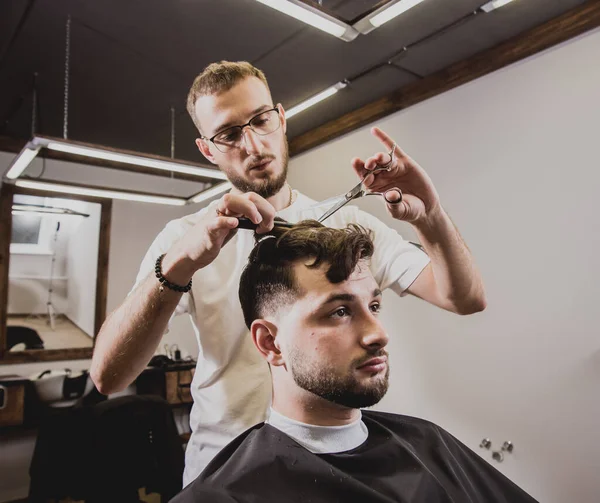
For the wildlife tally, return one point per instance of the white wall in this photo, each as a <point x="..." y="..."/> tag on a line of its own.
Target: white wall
<point x="30" y="267"/>
<point x="29" y="281"/>
<point x="514" y="158"/>
<point x="82" y="267"/>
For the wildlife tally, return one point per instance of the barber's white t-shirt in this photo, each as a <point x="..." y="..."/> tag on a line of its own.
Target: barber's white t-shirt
<point x="232" y="384"/>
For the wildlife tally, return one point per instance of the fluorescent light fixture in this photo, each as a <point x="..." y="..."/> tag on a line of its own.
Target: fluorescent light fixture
<point x="104" y="193"/>
<point x="494" y="4"/>
<point x="38" y="209"/>
<point x="384" y="14"/>
<point x="108" y="155"/>
<point x="45" y="213"/>
<point x="44" y="210"/>
<point x="22" y="161"/>
<point x="314" y="17"/>
<point x="330" y="91"/>
<point x="207" y="194"/>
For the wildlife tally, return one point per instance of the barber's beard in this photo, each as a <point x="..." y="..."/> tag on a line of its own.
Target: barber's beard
<point x="345" y="390"/>
<point x="266" y="187"/>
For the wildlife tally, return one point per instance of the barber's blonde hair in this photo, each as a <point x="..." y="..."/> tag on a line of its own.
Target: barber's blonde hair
<point x="217" y="78"/>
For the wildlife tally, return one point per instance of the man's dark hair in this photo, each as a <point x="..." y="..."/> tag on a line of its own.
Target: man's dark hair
<point x="268" y="280"/>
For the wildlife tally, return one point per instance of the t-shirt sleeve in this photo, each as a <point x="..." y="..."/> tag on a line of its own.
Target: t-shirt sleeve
<point x="160" y="245"/>
<point x="396" y="263"/>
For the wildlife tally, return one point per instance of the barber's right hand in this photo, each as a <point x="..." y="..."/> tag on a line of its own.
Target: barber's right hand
<point x="202" y="244"/>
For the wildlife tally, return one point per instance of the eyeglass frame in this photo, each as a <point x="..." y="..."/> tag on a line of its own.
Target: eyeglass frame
<point x="242" y="126"/>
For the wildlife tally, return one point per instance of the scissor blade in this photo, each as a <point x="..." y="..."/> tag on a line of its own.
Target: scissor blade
<point x="353" y="193"/>
<point x="333" y="209"/>
<point x="327" y="202"/>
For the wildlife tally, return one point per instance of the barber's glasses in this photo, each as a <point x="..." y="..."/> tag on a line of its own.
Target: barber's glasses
<point x="262" y="124"/>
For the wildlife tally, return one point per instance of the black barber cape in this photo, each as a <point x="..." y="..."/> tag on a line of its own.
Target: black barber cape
<point x="404" y="459"/>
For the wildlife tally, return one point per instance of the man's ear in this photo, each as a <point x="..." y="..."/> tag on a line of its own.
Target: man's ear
<point x="282" y="114"/>
<point x="205" y="150"/>
<point x="264" y="336"/>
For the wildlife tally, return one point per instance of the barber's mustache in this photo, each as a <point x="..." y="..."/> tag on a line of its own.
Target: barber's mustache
<point x="258" y="160"/>
<point x="378" y="353"/>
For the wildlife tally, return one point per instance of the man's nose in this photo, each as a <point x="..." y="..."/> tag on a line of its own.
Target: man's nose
<point x="373" y="334"/>
<point x="251" y="142"/>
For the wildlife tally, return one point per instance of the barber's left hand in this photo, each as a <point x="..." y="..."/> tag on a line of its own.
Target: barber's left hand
<point x="419" y="199"/>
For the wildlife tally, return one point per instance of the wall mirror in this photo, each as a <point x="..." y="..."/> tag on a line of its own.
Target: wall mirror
<point x="53" y="274"/>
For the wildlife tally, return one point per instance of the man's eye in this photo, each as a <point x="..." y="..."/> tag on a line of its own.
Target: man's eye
<point x="228" y="137"/>
<point x="340" y="313"/>
<point x="261" y="121"/>
<point x="376" y="308"/>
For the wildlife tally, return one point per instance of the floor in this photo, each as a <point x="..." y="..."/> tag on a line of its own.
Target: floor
<point x="65" y="334"/>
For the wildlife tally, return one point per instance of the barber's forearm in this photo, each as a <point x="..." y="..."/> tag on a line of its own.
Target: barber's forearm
<point x="130" y="335"/>
<point x="457" y="279"/>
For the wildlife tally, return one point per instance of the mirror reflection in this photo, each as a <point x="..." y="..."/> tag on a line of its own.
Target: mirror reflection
<point x="52" y="273"/>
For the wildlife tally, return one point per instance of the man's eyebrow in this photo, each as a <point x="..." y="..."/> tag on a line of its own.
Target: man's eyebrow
<point x="252" y="114"/>
<point x="347" y="297"/>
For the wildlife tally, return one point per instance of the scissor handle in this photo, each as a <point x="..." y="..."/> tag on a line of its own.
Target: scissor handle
<point x="388" y="165"/>
<point x="246" y="223"/>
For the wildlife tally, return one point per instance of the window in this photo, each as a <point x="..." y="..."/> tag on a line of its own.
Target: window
<point x="31" y="234"/>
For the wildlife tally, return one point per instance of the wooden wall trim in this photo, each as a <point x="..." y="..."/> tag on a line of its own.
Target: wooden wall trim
<point x="6" y="199"/>
<point x="102" y="267"/>
<point x="45" y="355"/>
<point x="571" y="24"/>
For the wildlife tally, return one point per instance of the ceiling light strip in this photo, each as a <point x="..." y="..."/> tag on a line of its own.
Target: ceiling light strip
<point x="330" y="91"/>
<point x="103" y="193"/>
<point x="494" y="4"/>
<point x="209" y="193"/>
<point x="23" y="209"/>
<point x="384" y="14"/>
<point x="23" y="159"/>
<point x="313" y="17"/>
<point x="98" y="153"/>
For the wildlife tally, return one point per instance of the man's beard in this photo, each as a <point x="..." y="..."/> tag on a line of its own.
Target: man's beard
<point x="342" y="390"/>
<point x="267" y="187"/>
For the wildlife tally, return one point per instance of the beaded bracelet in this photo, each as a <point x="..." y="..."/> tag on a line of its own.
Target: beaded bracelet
<point x="165" y="282"/>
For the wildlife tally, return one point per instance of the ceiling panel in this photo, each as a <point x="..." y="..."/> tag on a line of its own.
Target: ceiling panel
<point x="372" y="86"/>
<point x="311" y="62"/>
<point x="134" y="59"/>
<point x="481" y="32"/>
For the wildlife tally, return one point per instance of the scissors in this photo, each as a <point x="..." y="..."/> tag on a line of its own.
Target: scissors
<point x="337" y="202"/>
<point x="359" y="190"/>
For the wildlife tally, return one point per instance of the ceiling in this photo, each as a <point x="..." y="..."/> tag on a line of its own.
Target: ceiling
<point x="132" y="60"/>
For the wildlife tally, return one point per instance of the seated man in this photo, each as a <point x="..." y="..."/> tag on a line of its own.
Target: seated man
<point x="312" y="306"/>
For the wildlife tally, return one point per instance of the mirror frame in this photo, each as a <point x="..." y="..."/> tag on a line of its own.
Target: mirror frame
<point x="7" y="193"/>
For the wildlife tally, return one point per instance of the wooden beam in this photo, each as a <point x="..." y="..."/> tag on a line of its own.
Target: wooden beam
<point x="14" y="145"/>
<point x="102" y="266"/>
<point x="571" y="24"/>
<point x="45" y="355"/>
<point x="6" y="200"/>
